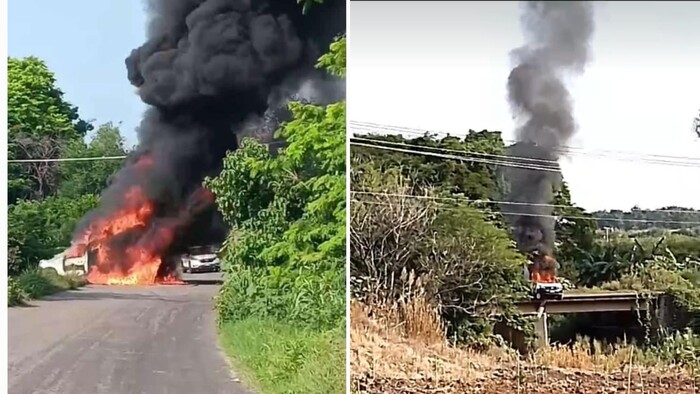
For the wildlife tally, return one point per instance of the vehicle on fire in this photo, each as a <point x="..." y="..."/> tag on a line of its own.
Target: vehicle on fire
<point x="545" y="291"/>
<point x="201" y="259"/>
<point x="64" y="265"/>
<point x="541" y="271"/>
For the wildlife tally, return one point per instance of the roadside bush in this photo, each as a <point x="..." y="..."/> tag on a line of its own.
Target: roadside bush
<point x="15" y="295"/>
<point x="466" y="265"/>
<point x="303" y="297"/>
<point x="39" y="229"/>
<point x="285" y="255"/>
<point x="681" y="348"/>
<point x="40" y="283"/>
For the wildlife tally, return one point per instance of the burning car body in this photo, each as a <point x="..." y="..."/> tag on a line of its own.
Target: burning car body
<point x="210" y="71"/>
<point x="557" y="36"/>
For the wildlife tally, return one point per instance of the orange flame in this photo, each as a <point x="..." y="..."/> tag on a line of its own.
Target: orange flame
<point x="543" y="270"/>
<point x="139" y="263"/>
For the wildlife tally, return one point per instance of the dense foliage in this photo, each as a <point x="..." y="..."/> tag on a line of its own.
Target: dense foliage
<point x="285" y="255"/>
<point x="402" y="247"/>
<point x="443" y="244"/>
<point x="80" y="178"/>
<point x="48" y="198"/>
<point x="471" y="179"/>
<point x="40" y="123"/>
<point x="406" y="205"/>
<point x="40" y="229"/>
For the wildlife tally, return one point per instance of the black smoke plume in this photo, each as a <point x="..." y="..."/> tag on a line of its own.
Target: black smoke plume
<point x="557" y="36"/>
<point x="212" y="71"/>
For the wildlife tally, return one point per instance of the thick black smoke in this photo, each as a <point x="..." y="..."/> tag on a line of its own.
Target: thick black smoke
<point x="211" y="71"/>
<point x="557" y="37"/>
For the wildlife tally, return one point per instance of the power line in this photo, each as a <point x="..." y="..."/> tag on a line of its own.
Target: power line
<point x="97" y="158"/>
<point x="524" y="159"/>
<point x="552" y="216"/>
<point x="515" y="203"/>
<point x="676" y="163"/>
<point x="652" y="158"/>
<point x="422" y="132"/>
<point x="456" y="157"/>
<point x="518" y="158"/>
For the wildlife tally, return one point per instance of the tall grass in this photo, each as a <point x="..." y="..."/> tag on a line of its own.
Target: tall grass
<point x="37" y="283"/>
<point x="282" y="359"/>
<point x="405" y="340"/>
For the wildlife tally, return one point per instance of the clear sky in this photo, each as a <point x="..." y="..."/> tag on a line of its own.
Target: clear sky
<point x="443" y="66"/>
<point x="84" y="42"/>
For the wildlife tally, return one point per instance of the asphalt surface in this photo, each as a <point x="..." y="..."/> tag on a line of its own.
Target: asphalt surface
<point x="105" y="339"/>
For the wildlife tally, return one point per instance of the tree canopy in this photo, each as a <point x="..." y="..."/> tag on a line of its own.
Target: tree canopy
<point x="285" y="254"/>
<point x="40" y="124"/>
<point x="47" y="198"/>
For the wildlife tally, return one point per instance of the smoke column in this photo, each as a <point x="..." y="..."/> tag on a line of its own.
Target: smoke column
<point x="557" y="36"/>
<point x="210" y="71"/>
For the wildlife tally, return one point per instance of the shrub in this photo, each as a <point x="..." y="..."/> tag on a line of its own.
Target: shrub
<point x="467" y="266"/>
<point x="285" y="255"/>
<point x="41" y="228"/>
<point x="15" y="295"/>
<point x="39" y="283"/>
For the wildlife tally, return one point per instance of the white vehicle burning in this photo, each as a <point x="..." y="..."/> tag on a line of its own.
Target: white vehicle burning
<point x="64" y="265"/>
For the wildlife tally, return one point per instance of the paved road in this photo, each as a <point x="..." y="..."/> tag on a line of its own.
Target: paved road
<point x="115" y="340"/>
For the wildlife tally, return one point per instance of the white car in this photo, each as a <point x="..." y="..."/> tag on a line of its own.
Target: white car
<point x="63" y="265"/>
<point x="201" y="259"/>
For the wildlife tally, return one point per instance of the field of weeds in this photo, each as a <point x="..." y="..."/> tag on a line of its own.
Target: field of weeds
<point x="402" y="349"/>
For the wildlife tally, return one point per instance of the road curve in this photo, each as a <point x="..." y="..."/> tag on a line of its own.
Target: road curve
<point x="150" y="340"/>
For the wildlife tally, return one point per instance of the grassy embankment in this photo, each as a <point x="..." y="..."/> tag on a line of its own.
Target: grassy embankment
<point x="37" y="283"/>
<point x="277" y="358"/>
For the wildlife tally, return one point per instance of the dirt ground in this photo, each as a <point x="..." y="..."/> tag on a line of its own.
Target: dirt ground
<point x="506" y="381"/>
<point x="385" y="359"/>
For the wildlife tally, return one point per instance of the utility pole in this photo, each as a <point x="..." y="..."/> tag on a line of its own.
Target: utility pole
<point x="607" y="234"/>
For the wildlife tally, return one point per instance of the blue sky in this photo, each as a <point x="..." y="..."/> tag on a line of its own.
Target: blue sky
<point x="84" y="42"/>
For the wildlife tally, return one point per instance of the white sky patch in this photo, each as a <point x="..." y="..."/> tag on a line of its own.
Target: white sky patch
<point x="444" y="66"/>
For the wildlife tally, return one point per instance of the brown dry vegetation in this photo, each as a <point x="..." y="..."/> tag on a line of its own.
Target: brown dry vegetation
<point x="401" y="348"/>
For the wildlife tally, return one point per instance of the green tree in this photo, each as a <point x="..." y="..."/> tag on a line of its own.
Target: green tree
<point x="286" y="250"/>
<point x="472" y="179"/>
<point x="40" y="123"/>
<point x="575" y="234"/>
<point x="39" y="229"/>
<point x="402" y="246"/>
<point x="91" y="177"/>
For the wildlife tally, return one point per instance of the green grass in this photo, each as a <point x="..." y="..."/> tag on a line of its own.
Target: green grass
<point x="38" y="283"/>
<point x="277" y="358"/>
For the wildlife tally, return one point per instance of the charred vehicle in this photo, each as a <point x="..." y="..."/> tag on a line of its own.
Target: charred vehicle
<point x="65" y="265"/>
<point x="85" y="264"/>
<point x="542" y="273"/>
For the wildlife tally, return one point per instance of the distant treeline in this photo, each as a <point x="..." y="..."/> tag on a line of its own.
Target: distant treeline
<point x="669" y="218"/>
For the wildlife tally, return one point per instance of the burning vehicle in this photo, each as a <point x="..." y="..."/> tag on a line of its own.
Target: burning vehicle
<point x="64" y="265"/>
<point x="557" y="43"/>
<point x="210" y="72"/>
<point x="542" y="273"/>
